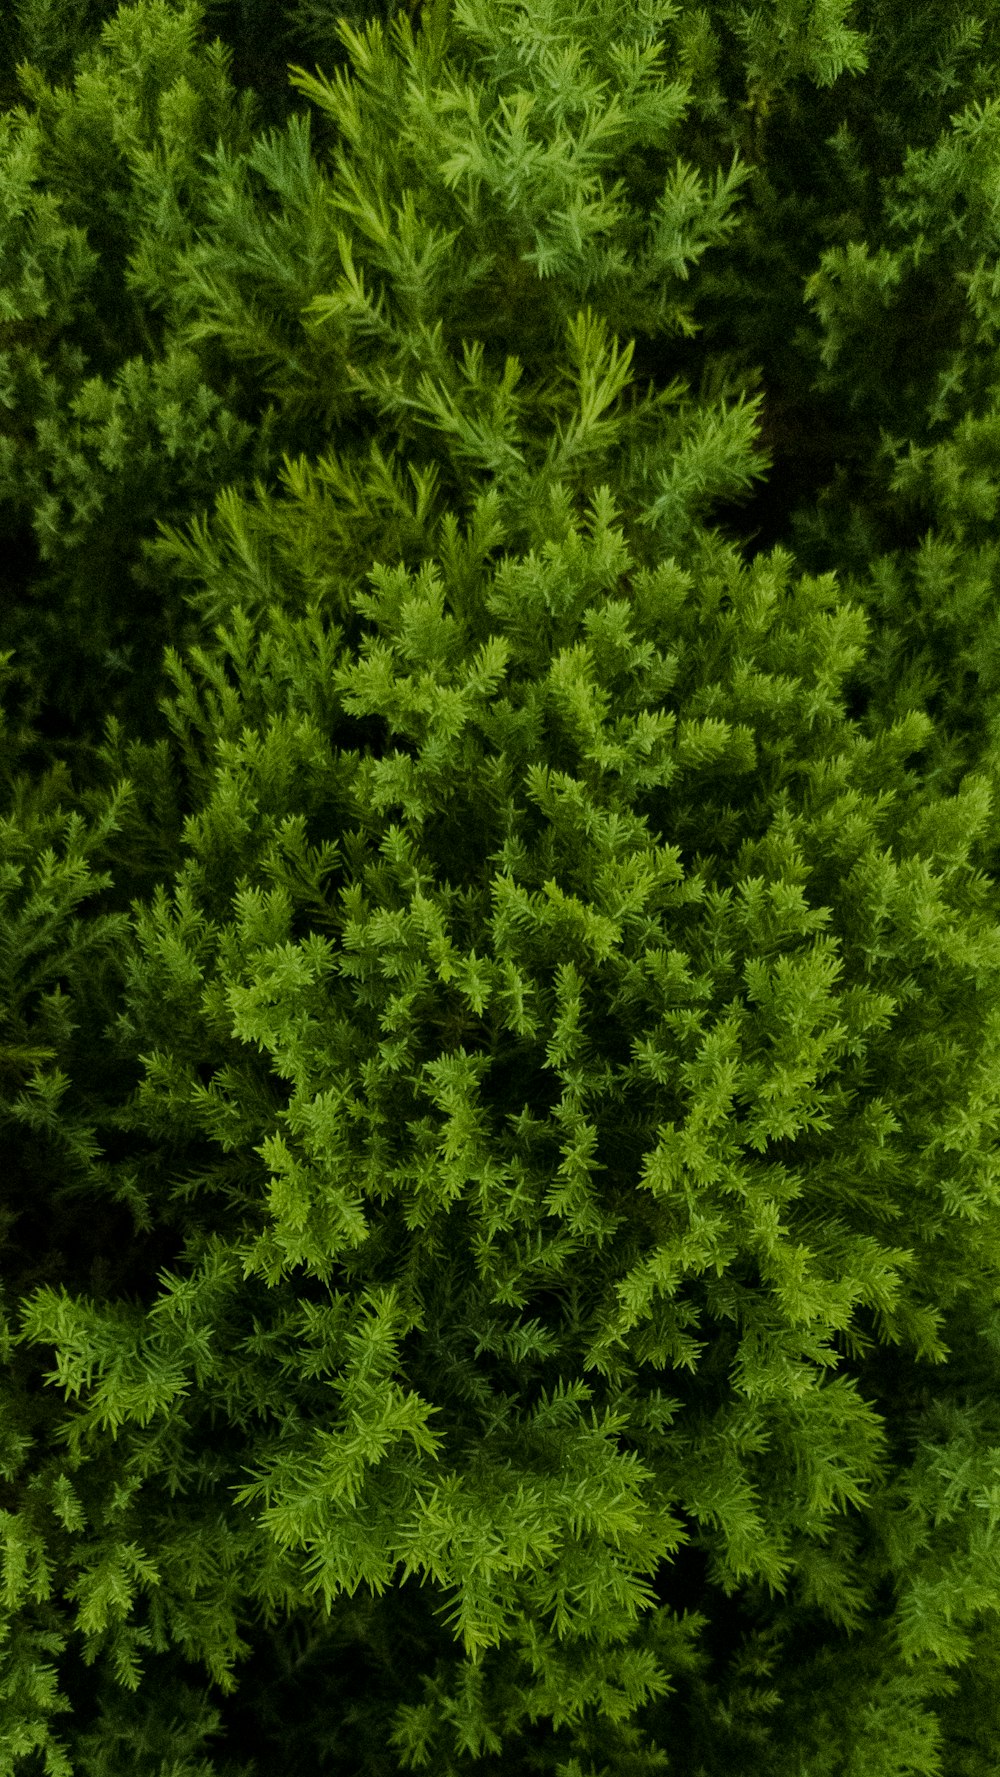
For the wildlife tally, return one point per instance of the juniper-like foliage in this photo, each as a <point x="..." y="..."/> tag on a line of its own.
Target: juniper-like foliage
<point x="499" y="931"/>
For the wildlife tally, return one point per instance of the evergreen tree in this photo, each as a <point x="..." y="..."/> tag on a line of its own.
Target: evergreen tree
<point x="497" y="1103"/>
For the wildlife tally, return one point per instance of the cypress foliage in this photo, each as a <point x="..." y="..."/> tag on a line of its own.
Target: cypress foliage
<point x="497" y="1079"/>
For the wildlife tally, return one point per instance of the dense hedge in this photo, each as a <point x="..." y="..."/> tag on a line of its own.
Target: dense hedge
<point x="499" y="937"/>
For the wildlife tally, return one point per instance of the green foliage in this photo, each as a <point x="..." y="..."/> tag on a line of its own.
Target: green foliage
<point x="497" y="1069"/>
<point x="100" y="439"/>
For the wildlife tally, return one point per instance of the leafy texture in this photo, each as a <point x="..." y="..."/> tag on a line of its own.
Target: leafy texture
<point x="497" y="1073"/>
